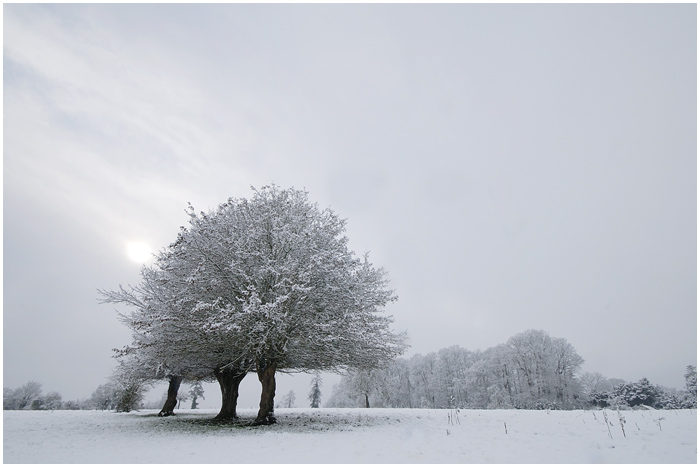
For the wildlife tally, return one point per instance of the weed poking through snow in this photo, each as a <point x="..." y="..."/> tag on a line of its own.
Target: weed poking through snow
<point x="453" y="417"/>
<point x="622" y="423"/>
<point x="658" y="422"/>
<point x="607" y="423"/>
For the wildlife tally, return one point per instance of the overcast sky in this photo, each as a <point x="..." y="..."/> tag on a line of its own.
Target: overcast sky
<point x="512" y="167"/>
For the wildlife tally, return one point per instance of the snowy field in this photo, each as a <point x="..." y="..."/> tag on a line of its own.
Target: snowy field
<point x="353" y="436"/>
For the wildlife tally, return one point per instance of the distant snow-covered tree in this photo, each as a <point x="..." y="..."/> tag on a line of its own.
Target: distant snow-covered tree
<point x="691" y="379"/>
<point x="640" y="393"/>
<point x="182" y="397"/>
<point x="129" y="389"/>
<point x="423" y="374"/>
<point x="104" y="397"/>
<point x="545" y="369"/>
<point x="395" y="386"/>
<point x="452" y="367"/>
<point x="26" y="394"/>
<point x="361" y="388"/>
<point x="340" y="395"/>
<point x="289" y="400"/>
<point x="691" y="387"/>
<point x="566" y="363"/>
<point x="130" y="397"/>
<point x="363" y="383"/>
<point x="315" y="392"/>
<point x="78" y="404"/>
<point x="196" y="393"/>
<point x="50" y="401"/>
<point x="593" y="382"/>
<point x="9" y="399"/>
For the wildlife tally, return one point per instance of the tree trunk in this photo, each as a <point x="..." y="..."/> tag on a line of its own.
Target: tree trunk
<point x="366" y="401"/>
<point x="266" y="375"/>
<point x="229" y="380"/>
<point x="171" y="401"/>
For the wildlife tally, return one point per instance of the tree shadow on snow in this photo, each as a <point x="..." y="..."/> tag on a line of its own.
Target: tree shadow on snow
<point x="297" y="422"/>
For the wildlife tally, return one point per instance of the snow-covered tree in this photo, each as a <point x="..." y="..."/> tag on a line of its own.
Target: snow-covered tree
<point x="640" y="393"/>
<point x="691" y="379"/>
<point x="340" y="395"/>
<point x="394" y="385"/>
<point x="78" y="404"/>
<point x="289" y="399"/>
<point x="50" y="401"/>
<point x="265" y="284"/>
<point x="452" y="366"/>
<point x="196" y="393"/>
<point x="104" y="397"/>
<point x="545" y="369"/>
<point x="423" y="375"/>
<point x="129" y="388"/>
<point x="182" y="397"/>
<point x="8" y="399"/>
<point x="26" y="394"/>
<point x="592" y="382"/>
<point x="315" y="392"/>
<point x="691" y="387"/>
<point x="363" y="383"/>
<point x="23" y="397"/>
<point x="566" y="363"/>
<point x="364" y="388"/>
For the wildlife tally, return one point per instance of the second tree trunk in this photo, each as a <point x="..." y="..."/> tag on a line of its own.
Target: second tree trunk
<point x="266" y="375"/>
<point x="229" y="380"/>
<point x="171" y="401"/>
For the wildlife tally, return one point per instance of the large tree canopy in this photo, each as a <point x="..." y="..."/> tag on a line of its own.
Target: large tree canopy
<point x="266" y="282"/>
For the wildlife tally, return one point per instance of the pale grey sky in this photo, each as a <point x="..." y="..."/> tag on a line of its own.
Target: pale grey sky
<point x="511" y="166"/>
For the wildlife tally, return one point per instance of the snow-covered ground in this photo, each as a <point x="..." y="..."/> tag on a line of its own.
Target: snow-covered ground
<point x="353" y="436"/>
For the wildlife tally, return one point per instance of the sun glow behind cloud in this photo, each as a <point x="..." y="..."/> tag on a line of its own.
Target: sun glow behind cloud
<point x="138" y="251"/>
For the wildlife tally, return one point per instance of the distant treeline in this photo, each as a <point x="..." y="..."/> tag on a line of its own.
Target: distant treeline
<point x="108" y="396"/>
<point x="530" y="371"/>
<point x="30" y="397"/>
